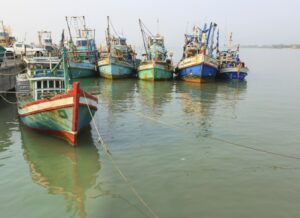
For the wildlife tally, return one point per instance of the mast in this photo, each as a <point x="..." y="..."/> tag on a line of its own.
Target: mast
<point x="143" y="36"/>
<point x="69" y="30"/>
<point x="108" y="33"/>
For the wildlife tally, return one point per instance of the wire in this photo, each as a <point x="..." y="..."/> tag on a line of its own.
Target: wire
<point x="138" y="196"/>
<point x="223" y="140"/>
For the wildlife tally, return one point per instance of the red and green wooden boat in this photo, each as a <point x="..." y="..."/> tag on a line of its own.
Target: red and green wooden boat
<point x="45" y="105"/>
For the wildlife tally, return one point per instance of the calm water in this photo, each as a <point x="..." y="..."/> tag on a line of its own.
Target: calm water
<point x="215" y="150"/>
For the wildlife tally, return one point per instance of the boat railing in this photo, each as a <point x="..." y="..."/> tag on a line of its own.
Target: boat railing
<point x="8" y="60"/>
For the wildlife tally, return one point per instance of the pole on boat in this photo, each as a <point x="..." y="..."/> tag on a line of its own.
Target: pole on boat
<point x="66" y="69"/>
<point x="70" y="34"/>
<point x="144" y="36"/>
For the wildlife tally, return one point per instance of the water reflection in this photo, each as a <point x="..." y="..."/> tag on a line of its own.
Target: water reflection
<point x="198" y="104"/>
<point x="153" y="95"/>
<point x="117" y="95"/>
<point x="62" y="169"/>
<point x="8" y="121"/>
<point x="231" y="93"/>
<point x="90" y="85"/>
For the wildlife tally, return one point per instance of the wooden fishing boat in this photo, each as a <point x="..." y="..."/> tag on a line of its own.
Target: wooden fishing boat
<point x="117" y="59"/>
<point x="198" y="63"/>
<point x="47" y="104"/>
<point x="156" y="64"/>
<point x="82" y="51"/>
<point x="230" y="65"/>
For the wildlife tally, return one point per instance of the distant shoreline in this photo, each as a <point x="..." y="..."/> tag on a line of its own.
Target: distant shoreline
<point x="280" y="46"/>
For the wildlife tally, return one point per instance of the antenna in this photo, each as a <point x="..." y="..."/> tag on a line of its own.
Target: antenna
<point x="157" y="25"/>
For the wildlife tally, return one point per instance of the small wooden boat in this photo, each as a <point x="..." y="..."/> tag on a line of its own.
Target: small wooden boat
<point x="47" y="104"/>
<point x="198" y="63"/>
<point x="156" y="64"/>
<point x="117" y="59"/>
<point x="82" y="51"/>
<point x="230" y="65"/>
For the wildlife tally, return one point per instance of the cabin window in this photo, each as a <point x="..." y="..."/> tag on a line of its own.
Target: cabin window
<point x="19" y="45"/>
<point x="57" y="84"/>
<point x="81" y="43"/>
<point x="39" y="84"/>
<point x="51" y="84"/>
<point x="45" y="85"/>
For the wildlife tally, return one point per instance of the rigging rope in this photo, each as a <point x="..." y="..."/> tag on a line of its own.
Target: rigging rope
<point x="7" y="101"/>
<point x="223" y="140"/>
<point x="125" y="179"/>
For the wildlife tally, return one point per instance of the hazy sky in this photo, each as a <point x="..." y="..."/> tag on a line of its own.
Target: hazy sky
<point x="252" y="21"/>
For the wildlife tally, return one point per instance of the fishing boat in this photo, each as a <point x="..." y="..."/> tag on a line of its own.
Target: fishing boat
<point x="117" y="59"/>
<point x="198" y="63"/>
<point x="82" y="51"/>
<point x="230" y="65"/>
<point x="6" y="39"/>
<point x="156" y="64"/>
<point x="2" y="54"/>
<point x="48" y="104"/>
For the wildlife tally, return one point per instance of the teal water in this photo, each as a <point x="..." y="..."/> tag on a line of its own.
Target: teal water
<point x="215" y="150"/>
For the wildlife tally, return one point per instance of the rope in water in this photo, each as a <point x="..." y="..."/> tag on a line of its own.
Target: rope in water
<point x="12" y="74"/>
<point x="223" y="140"/>
<point x="7" y="101"/>
<point x="105" y="147"/>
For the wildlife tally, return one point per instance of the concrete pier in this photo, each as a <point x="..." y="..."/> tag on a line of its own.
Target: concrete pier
<point x="8" y="71"/>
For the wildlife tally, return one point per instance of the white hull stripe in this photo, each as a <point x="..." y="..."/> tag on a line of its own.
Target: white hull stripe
<point x="45" y="105"/>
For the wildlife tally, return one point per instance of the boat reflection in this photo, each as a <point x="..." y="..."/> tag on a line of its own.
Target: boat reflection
<point x="153" y="95"/>
<point x="8" y="121"/>
<point x="198" y="104"/>
<point x="117" y="95"/>
<point x="61" y="169"/>
<point x="90" y="85"/>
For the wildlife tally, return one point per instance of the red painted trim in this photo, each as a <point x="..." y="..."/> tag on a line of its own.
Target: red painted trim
<point x="68" y="136"/>
<point x="46" y="109"/>
<point x="75" y="108"/>
<point x="70" y="93"/>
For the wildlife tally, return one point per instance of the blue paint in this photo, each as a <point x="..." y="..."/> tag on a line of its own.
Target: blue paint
<point x="198" y="72"/>
<point x="232" y="75"/>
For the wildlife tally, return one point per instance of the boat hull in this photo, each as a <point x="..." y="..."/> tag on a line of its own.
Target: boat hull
<point x="81" y="70"/>
<point x="155" y="71"/>
<point x="232" y="73"/>
<point x="200" y="68"/>
<point x="63" y="115"/>
<point x="114" y="69"/>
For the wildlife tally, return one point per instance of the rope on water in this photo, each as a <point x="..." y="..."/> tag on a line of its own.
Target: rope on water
<point x="223" y="140"/>
<point x="12" y="74"/>
<point x="7" y="101"/>
<point x="125" y="179"/>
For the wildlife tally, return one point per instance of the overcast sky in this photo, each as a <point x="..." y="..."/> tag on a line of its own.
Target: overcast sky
<point x="252" y="21"/>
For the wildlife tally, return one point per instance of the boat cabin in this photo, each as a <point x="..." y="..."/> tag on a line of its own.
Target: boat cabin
<point x="46" y="87"/>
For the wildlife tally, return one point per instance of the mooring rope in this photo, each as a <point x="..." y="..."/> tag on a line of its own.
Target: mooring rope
<point x="223" y="140"/>
<point x="12" y="74"/>
<point x="105" y="147"/>
<point x="7" y="101"/>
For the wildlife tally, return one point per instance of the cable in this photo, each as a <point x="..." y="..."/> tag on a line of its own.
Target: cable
<point x="116" y="165"/>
